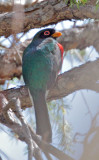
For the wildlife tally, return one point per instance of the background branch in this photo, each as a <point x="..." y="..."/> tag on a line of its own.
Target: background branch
<point x="24" y="128"/>
<point x="37" y="15"/>
<point x="82" y="77"/>
<point x="79" y="38"/>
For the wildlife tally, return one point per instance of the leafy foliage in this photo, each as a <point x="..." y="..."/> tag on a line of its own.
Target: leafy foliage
<point x="77" y="2"/>
<point x="97" y="4"/>
<point x="61" y="128"/>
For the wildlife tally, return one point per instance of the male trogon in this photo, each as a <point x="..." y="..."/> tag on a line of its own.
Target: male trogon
<point x="41" y="63"/>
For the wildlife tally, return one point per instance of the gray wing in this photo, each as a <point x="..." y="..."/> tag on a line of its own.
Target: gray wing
<point x="57" y="64"/>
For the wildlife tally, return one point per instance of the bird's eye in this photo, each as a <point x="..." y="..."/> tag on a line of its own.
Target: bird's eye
<point x="46" y="33"/>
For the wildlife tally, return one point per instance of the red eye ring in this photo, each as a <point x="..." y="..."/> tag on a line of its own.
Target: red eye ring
<point x="46" y="33"/>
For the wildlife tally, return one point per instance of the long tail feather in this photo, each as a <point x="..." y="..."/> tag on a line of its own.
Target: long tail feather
<point x="43" y="126"/>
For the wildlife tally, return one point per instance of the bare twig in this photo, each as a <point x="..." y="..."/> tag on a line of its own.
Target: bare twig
<point x="25" y="127"/>
<point x="4" y="154"/>
<point x="33" y="149"/>
<point x="25" y="133"/>
<point x="48" y="148"/>
<point x="48" y="156"/>
<point x="14" y="104"/>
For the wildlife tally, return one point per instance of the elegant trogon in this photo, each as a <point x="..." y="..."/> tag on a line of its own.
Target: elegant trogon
<point x="41" y="63"/>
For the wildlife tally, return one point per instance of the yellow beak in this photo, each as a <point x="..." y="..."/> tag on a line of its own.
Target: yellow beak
<point x="56" y="34"/>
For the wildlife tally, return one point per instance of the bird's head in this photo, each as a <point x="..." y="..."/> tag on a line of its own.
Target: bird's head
<point x="46" y="33"/>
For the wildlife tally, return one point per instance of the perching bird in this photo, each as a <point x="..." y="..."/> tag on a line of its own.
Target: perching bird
<point x="41" y="63"/>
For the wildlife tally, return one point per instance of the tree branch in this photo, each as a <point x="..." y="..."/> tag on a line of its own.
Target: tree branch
<point x="19" y="115"/>
<point x="7" y="118"/>
<point x="80" y="38"/>
<point x="83" y="77"/>
<point x="22" y="130"/>
<point x="46" y="13"/>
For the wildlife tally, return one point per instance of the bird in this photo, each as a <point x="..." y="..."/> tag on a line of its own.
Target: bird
<point x="41" y="64"/>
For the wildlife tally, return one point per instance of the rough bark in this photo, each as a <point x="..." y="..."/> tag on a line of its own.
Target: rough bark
<point x="79" y="38"/>
<point x="8" y="6"/>
<point x="10" y="65"/>
<point x="83" y="77"/>
<point x="45" y="13"/>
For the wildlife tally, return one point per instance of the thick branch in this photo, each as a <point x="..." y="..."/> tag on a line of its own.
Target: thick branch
<point x="8" y="6"/>
<point x="45" y="13"/>
<point x="80" y="38"/>
<point x="83" y="77"/>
